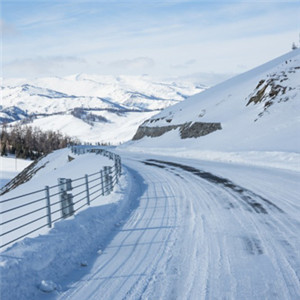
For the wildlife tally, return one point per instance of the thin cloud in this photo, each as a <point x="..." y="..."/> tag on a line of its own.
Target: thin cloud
<point x="41" y="66"/>
<point x="185" y="65"/>
<point x="7" y="29"/>
<point x="151" y="36"/>
<point x="136" y="63"/>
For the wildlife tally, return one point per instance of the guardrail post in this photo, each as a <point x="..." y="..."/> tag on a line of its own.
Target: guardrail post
<point x="118" y="166"/>
<point x="116" y="172"/>
<point x="106" y="180"/>
<point x="110" y="180"/>
<point x="66" y="199"/>
<point x="87" y="189"/>
<point x="102" y="183"/>
<point x="48" y="205"/>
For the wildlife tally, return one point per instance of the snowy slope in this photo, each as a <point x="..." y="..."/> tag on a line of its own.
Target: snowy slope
<point x="120" y="127"/>
<point x="90" y="107"/>
<point x="258" y="110"/>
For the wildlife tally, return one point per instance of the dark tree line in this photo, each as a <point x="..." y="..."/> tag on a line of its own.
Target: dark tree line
<point x="87" y="117"/>
<point x="29" y="142"/>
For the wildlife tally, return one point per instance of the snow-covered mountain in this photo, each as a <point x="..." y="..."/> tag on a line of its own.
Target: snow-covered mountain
<point x="257" y="110"/>
<point x="86" y="102"/>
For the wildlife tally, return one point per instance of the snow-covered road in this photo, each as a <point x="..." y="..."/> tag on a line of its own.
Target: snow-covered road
<point x="193" y="234"/>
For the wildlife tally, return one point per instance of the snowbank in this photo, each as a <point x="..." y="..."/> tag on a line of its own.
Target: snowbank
<point x="34" y="266"/>
<point x="272" y="159"/>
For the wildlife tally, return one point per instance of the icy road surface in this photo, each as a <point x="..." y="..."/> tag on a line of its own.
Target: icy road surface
<point x="200" y="230"/>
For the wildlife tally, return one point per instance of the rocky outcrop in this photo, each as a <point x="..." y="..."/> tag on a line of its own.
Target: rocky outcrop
<point x="275" y="88"/>
<point x="187" y="130"/>
<point x="197" y="129"/>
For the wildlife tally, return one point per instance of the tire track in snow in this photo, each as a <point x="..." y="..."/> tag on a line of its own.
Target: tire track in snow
<point x="204" y="241"/>
<point x="244" y="194"/>
<point x="262" y="240"/>
<point x="140" y="287"/>
<point x="104" y="283"/>
<point x="101" y="267"/>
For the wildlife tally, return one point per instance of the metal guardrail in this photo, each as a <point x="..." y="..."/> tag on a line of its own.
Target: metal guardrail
<point x="42" y="208"/>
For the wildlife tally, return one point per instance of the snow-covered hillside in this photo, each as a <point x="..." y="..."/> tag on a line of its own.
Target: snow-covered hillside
<point x="90" y="107"/>
<point x="258" y="110"/>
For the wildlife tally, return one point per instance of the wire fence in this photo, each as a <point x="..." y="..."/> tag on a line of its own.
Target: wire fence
<point x="28" y="213"/>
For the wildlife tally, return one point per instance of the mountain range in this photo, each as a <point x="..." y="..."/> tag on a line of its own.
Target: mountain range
<point x="90" y="107"/>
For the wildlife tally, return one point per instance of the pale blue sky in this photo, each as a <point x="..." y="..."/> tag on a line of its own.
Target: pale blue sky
<point x="161" y="38"/>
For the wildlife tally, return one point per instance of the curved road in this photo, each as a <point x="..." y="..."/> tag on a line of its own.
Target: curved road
<point x="198" y="235"/>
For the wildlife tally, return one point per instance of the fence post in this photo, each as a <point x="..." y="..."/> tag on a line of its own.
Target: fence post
<point x="118" y="166"/>
<point x="116" y="172"/>
<point x="102" y="184"/>
<point x="48" y="205"/>
<point x="87" y="188"/>
<point x="66" y="199"/>
<point x="110" y="176"/>
<point x="106" y="180"/>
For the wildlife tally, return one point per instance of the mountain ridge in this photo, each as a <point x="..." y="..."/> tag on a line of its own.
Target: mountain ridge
<point x="89" y="102"/>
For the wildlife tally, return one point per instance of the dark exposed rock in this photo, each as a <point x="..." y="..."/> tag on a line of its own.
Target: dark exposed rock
<point x="153" y="131"/>
<point x="187" y="130"/>
<point x="197" y="129"/>
<point x="270" y="90"/>
<point x="258" y="96"/>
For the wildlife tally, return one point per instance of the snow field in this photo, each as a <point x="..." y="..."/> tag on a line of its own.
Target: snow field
<point x="120" y="128"/>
